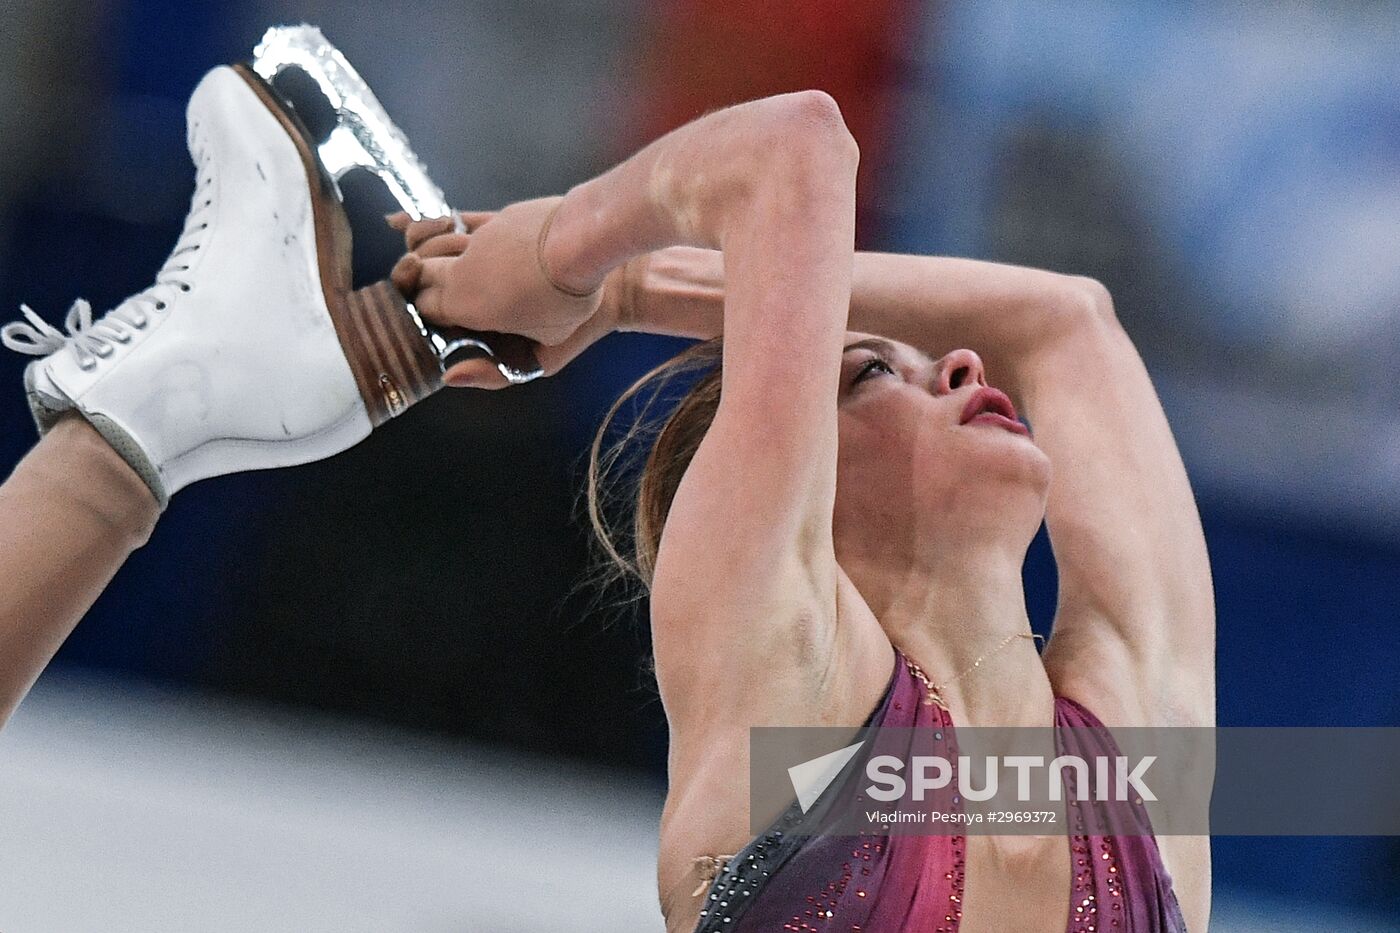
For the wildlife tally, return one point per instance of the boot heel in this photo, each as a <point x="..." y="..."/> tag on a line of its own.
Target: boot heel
<point x="393" y="363"/>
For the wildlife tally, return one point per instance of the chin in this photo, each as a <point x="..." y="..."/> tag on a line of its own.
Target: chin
<point x="991" y="455"/>
<point x="1008" y="476"/>
<point x="1023" y="459"/>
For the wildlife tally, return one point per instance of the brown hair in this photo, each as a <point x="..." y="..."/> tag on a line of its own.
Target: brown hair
<point x="673" y="442"/>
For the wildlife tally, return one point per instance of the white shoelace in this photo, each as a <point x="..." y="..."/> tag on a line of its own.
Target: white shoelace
<point x="93" y="340"/>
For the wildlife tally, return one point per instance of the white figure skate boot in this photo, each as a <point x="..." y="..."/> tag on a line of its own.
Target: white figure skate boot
<point x="250" y="351"/>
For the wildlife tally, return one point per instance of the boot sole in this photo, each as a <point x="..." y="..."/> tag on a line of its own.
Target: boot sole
<point x="389" y="355"/>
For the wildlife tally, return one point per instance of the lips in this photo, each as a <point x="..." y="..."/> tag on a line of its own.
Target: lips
<point x="993" y="407"/>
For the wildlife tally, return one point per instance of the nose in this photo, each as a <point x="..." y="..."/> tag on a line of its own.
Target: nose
<point x="957" y="369"/>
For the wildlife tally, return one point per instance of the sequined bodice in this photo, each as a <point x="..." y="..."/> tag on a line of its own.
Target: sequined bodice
<point x="787" y="881"/>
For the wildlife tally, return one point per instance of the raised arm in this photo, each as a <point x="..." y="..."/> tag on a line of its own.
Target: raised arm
<point x="1134" y="631"/>
<point x="747" y="556"/>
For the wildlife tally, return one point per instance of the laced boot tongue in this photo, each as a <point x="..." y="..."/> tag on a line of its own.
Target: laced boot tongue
<point x="91" y="340"/>
<point x="36" y="337"/>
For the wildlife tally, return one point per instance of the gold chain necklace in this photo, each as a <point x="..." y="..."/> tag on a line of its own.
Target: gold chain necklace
<point x="934" y="695"/>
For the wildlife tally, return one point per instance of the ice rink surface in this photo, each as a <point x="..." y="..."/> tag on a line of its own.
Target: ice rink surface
<point x="145" y="810"/>
<point x="141" y="809"/>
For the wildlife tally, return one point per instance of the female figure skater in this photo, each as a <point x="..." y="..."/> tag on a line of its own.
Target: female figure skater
<point x="844" y="494"/>
<point x="824" y="508"/>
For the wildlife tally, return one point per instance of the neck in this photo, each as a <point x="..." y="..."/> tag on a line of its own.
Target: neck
<point x="952" y="615"/>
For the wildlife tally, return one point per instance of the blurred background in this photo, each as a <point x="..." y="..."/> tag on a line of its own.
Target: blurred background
<point x="265" y="724"/>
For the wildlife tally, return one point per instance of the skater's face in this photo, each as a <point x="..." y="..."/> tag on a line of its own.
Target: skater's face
<point x="928" y="454"/>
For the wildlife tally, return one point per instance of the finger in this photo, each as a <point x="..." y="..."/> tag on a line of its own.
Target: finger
<point x="478" y="373"/>
<point x="436" y="272"/>
<point x="474" y="219"/>
<point x="420" y="230"/>
<point x="448" y="244"/>
<point x="399" y="220"/>
<point x="428" y="301"/>
<point x="406" y="274"/>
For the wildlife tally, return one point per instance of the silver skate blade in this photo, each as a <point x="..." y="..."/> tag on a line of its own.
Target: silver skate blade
<point x="364" y="137"/>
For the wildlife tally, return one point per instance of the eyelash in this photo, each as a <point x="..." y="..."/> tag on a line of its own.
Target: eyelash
<point x="870" y="366"/>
